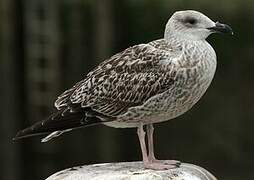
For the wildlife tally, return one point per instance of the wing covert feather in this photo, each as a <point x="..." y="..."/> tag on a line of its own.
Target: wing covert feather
<point x="127" y="79"/>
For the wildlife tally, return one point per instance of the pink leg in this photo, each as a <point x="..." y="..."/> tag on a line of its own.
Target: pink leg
<point x="151" y="156"/>
<point x="150" y="130"/>
<point x="149" y="161"/>
<point x="141" y="137"/>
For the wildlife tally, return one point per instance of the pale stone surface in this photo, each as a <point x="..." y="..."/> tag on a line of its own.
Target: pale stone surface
<point x="131" y="171"/>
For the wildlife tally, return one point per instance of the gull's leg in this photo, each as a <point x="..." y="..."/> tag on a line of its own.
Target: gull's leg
<point x="150" y="130"/>
<point x="141" y="137"/>
<point x="151" y="157"/>
<point x="158" y="165"/>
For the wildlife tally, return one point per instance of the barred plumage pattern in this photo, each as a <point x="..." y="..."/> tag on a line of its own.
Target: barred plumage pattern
<point x="177" y="74"/>
<point x="125" y="80"/>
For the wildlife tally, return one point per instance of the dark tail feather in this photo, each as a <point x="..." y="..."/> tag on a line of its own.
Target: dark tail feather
<point x="60" y="121"/>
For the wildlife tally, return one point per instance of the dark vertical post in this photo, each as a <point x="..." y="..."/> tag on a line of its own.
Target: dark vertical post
<point x="43" y="71"/>
<point x="103" y="43"/>
<point x="10" y="94"/>
<point x="75" y="57"/>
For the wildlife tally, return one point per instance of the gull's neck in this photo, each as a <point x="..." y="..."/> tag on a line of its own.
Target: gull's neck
<point x="176" y="39"/>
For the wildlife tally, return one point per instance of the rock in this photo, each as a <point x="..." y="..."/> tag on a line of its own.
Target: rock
<point x="131" y="171"/>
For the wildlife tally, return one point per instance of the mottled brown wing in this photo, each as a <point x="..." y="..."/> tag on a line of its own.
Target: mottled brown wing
<point x="125" y="80"/>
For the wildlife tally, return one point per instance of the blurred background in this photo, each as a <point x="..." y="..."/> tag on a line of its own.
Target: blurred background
<point x="46" y="46"/>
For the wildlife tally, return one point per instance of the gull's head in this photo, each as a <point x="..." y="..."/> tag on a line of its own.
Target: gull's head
<point x="193" y="25"/>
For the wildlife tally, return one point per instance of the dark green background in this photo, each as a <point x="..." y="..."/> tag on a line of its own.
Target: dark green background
<point x="46" y="46"/>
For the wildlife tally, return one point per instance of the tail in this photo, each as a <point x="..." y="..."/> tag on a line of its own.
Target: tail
<point x="60" y="122"/>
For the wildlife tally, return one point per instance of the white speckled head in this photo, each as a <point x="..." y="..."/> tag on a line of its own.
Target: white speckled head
<point x="189" y="25"/>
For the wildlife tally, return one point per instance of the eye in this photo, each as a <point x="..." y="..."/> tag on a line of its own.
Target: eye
<point x="190" y="20"/>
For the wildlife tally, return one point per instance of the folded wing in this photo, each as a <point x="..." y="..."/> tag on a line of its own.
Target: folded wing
<point x="125" y="80"/>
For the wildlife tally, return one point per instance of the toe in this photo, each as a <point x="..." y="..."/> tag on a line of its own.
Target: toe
<point x="159" y="166"/>
<point x="172" y="162"/>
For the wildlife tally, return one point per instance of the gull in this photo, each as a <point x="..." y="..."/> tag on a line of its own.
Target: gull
<point x="142" y="85"/>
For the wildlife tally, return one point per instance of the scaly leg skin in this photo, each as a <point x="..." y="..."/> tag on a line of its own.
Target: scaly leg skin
<point x="150" y="161"/>
<point x="141" y="137"/>
<point x="151" y="158"/>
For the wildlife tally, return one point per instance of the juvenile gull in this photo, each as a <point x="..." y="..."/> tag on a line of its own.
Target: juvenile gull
<point x="142" y="85"/>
